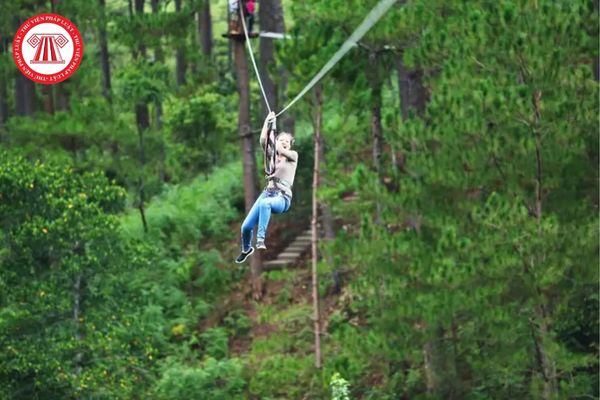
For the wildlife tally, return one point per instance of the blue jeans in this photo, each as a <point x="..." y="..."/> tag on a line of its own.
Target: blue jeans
<point x="260" y="213"/>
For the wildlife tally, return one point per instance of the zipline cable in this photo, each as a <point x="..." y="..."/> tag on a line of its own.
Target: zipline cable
<point x="262" y="89"/>
<point x="376" y="13"/>
<point x="269" y="149"/>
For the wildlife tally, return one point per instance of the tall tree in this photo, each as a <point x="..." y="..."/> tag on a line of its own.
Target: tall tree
<point x="413" y="94"/>
<point x="24" y="88"/>
<point x="104" y="55"/>
<point x="24" y="95"/>
<point x="3" y="81"/>
<point x="142" y="121"/>
<point x="374" y="76"/>
<point x="204" y="27"/>
<point x="180" y="63"/>
<point x="270" y="14"/>
<point x="159" y="57"/>
<point x="314" y="222"/>
<point x="247" y="150"/>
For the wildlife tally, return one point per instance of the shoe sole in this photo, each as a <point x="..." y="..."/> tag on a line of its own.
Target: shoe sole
<point x="247" y="255"/>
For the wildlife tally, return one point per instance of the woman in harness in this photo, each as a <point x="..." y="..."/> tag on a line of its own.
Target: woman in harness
<point x="277" y="195"/>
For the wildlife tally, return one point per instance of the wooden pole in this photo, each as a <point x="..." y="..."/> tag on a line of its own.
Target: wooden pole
<point x="247" y="148"/>
<point x="315" y="208"/>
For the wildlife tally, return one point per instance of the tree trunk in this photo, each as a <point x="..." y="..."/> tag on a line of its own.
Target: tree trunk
<point x="179" y="55"/>
<point x="24" y="90"/>
<point x="20" y="94"/>
<point x="315" y="208"/>
<point x="30" y="99"/>
<point x="288" y="120"/>
<point x="247" y="148"/>
<point x="431" y="380"/>
<point x="3" y="89"/>
<point x="143" y="123"/>
<point x="270" y="14"/>
<point x="62" y="97"/>
<point x="375" y="83"/>
<point x="23" y="86"/>
<point x="546" y="364"/>
<point x="412" y="92"/>
<point x="139" y="9"/>
<point x="159" y="57"/>
<point x="104" y="56"/>
<point x="434" y="363"/>
<point x="142" y="116"/>
<point x="413" y="95"/>
<point x="204" y="23"/>
<point x="596" y="63"/>
<point x="78" y="361"/>
<point x="48" y="96"/>
<point x="403" y="87"/>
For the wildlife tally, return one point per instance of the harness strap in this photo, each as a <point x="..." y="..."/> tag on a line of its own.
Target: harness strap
<point x="280" y="181"/>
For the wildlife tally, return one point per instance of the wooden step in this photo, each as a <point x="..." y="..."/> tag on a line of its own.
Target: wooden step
<point x="295" y="248"/>
<point x="293" y="255"/>
<point x="302" y="240"/>
<point x="274" y="264"/>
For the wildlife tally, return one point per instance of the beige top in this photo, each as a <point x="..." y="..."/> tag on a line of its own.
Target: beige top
<point x="285" y="168"/>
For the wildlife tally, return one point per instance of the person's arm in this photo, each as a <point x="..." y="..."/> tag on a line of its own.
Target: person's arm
<point x="265" y="129"/>
<point x="289" y="154"/>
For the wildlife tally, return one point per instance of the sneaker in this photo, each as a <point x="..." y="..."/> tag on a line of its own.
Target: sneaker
<point x="244" y="255"/>
<point x="260" y="244"/>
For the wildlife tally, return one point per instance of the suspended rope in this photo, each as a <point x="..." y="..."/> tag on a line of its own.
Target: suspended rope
<point x="262" y="89"/>
<point x="270" y="155"/>
<point x="376" y="13"/>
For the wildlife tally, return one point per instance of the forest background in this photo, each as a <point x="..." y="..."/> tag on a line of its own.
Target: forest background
<point x="457" y="167"/>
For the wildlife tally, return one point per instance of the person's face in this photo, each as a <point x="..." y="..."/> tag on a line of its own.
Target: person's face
<point x="284" y="141"/>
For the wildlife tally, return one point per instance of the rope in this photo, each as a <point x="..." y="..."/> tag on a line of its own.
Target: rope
<point x="262" y="89"/>
<point x="376" y="13"/>
<point x="270" y="155"/>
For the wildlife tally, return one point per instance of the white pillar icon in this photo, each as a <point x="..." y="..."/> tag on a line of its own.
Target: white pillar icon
<point x="47" y="48"/>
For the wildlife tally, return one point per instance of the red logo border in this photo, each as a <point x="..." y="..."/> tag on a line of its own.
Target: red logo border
<point x="48" y="79"/>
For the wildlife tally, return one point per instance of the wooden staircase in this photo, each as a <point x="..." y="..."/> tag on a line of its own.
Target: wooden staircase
<point x="291" y="253"/>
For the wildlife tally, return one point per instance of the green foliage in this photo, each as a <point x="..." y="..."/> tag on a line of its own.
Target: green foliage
<point x="282" y="376"/>
<point x="60" y="253"/>
<point x="339" y="388"/>
<point x="142" y="82"/>
<point x="238" y="323"/>
<point x="183" y="215"/>
<point x="204" y="129"/>
<point x="461" y="265"/>
<point x="211" y="380"/>
<point x="215" y="341"/>
<point x="479" y="280"/>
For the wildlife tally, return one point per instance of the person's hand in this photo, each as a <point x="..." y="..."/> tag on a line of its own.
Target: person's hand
<point x="271" y="116"/>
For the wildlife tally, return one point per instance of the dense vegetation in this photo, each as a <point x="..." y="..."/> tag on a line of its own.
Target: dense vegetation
<point x="460" y="167"/>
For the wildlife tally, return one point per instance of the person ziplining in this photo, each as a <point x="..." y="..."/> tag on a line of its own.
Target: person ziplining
<point x="277" y="195"/>
<point x="280" y="161"/>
